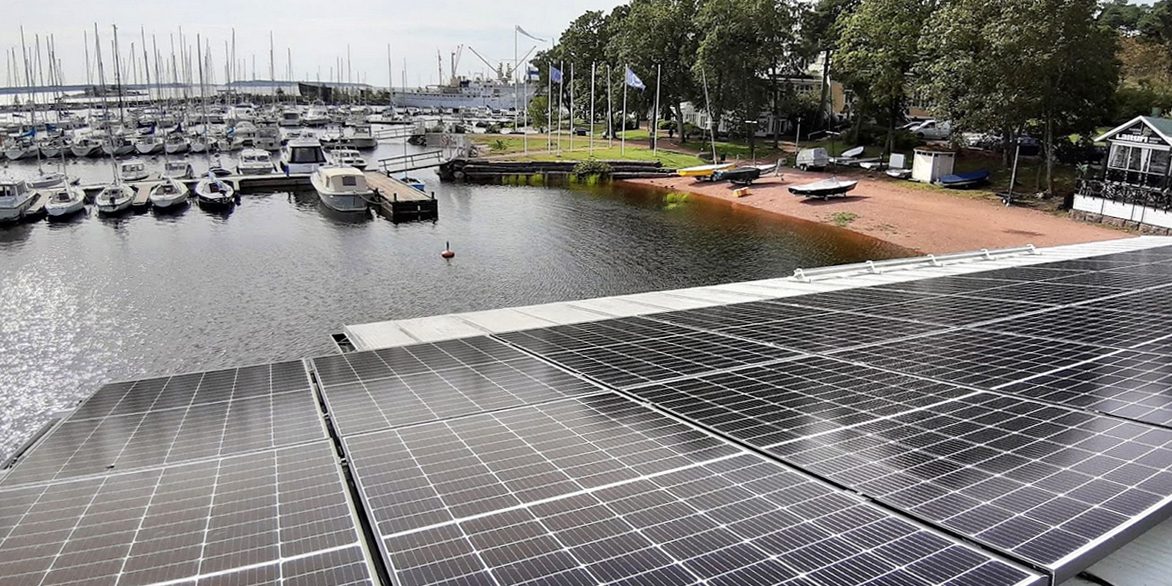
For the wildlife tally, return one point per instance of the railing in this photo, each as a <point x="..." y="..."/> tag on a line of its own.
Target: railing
<point x="1141" y="195"/>
<point x="411" y="162"/>
<point x="395" y="132"/>
<point x="932" y="260"/>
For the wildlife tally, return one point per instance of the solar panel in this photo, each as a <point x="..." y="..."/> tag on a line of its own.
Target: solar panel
<point x="198" y="388"/>
<point x="420" y="358"/>
<point x="1094" y="263"/>
<point x="830" y="332"/>
<point x="953" y="311"/>
<point x="1151" y="301"/>
<point x="973" y="357"/>
<point x="1088" y="325"/>
<point x="1126" y="384"/>
<point x="1050" y="485"/>
<point x="394" y="401"/>
<point x="946" y="285"/>
<point x="1156" y="268"/>
<point x="601" y="490"/>
<point x="723" y="316"/>
<point x="1046" y="293"/>
<point x="83" y="446"/>
<point x="1118" y="280"/>
<point x="278" y="514"/>
<point x="645" y="361"/>
<point x="767" y="405"/>
<point x="860" y="298"/>
<point x="1028" y="273"/>
<point x="604" y="333"/>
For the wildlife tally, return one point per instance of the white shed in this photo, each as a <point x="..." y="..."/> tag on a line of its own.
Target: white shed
<point x="931" y="164"/>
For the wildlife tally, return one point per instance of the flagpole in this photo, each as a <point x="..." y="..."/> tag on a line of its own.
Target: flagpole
<point x="525" y="104"/>
<point x="623" y="138"/>
<point x="655" y="122"/>
<point x="549" y="114"/>
<point x="561" y="90"/>
<point x="609" y="110"/>
<point x="516" y="106"/>
<point x="571" y="106"/>
<point x="593" y="66"/>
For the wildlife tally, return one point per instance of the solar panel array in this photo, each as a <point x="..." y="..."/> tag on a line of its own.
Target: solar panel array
<point x="969" y="429"/>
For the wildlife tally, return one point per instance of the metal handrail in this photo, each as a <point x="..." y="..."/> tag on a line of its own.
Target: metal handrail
<point x="877" y="267"/>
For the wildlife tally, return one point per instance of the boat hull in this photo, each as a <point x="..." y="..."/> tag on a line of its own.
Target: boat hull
<point x="65" y="208"/>
<point x="83" y="151"/>
<point x="174" y="199"/>
<point x="149" y="149"/>
<point x="17" y="154"/>
<point x="118" y="151"/>
<point x="343" y="203"/>
<point x="15" y="213"/>
<point x="177" y="148"/>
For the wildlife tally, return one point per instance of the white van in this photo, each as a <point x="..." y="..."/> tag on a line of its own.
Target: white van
<point x="812" y="159"/>
<point x="932" y="130"/>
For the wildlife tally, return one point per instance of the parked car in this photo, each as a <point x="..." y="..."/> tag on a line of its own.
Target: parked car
<point x="932" y="130"/>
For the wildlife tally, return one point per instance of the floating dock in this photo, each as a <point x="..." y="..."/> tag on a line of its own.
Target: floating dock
<point x="400" y="201"/>
<point x="917" y="422"/>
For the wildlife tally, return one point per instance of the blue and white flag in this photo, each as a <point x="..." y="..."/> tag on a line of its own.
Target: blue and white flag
<point x="555" y="74"/>
<point x="634" y="81"/>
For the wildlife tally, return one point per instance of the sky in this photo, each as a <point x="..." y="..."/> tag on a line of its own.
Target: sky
<point x="317" y="32"/>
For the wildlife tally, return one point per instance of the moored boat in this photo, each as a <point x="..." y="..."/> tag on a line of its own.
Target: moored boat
<point x="254" y="162"/>
<point x="64" y="201"/>
<point x="16" y="197"/>
<point x="168" y="193"/>
<point x="211" y="191"/>
<point x="704" y="171"/>
<point x="342" y="189"/>
<point x="114" y="198"/>
<point x="132" y="170"/>
<point x="825" y="188"/>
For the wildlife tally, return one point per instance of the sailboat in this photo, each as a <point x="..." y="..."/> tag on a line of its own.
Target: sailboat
<point x="168" y="193"/>
<point x="211" y="191"/>
<point x="65" y="199"/>
<point x="115" y="197"/>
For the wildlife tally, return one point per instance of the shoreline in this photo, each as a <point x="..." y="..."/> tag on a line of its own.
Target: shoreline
<point x="907" y="215"/>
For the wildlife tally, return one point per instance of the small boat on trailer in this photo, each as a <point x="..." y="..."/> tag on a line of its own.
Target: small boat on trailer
<point x="702" y="172"/>
<point x="964" y="180"/>
<point x="745" y="176"/>
<point x="825" y="188"/>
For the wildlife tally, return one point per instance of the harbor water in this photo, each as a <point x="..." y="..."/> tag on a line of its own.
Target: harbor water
<point x="99" y="299"/>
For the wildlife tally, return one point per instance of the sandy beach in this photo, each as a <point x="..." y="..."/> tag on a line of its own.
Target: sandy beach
<point x="927" y="220"/>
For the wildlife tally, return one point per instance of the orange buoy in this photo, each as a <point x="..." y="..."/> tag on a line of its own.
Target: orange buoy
<point x="447" y="253"/>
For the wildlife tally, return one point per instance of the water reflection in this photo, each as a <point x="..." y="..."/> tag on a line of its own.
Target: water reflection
<point x="121" y="297"/>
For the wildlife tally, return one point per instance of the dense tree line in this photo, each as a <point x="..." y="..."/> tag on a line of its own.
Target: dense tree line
<point x="1050" y="68"/>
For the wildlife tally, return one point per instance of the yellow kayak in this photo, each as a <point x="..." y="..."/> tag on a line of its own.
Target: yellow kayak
<point x="704" y="170"/>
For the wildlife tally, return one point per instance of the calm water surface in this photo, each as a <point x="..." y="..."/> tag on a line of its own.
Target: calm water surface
<point x="97" y="299"/>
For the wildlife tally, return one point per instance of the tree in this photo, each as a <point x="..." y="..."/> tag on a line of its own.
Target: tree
<point x="877" y="51"/>
<point x="658" y="33"/>
<point x="1011" y="64"/>
<point x="820" y="30"/>
<point x="1122" y="15"/>
<point x="539" y="111"/>
<point x="731" y="59"/>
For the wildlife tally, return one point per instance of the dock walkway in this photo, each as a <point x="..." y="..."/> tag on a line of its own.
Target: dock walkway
<point x="400" y="201"/>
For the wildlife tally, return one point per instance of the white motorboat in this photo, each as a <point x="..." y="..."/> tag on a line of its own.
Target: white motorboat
<point x="114" y="198"/>
<point x="347" y="158"/>
<point x="268" y="136"/>
<point x="178" y="169"/>
<point x="86" y="147"/>
<point x="168" y="193"/>
<point x="342" y="189"/>
<point x="176" y="144"/>
<point x="302" y="155"/>
<point x="359" y="137"/>
<point x="64" y="200"/>
<point x="290" y="118"/>
<point x="148" y="144"/>
<point x="213" y="192"/>
<point x="317" y="116"/>
<point x="15" y="199"/>
<point x="825" y="188"/>
<point x="254" y="162"/>
<point x="132" y="170"/>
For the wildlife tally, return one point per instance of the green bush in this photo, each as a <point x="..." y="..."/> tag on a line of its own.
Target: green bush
<point x="592" y="167"/>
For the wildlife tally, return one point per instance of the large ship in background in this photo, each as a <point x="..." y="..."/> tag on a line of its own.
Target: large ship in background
<point x="462" y="93"/>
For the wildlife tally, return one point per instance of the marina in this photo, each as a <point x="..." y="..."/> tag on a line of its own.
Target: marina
<point x="796" y="293"/>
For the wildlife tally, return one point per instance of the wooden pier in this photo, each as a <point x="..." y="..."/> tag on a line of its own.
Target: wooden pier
<point x="399" y="201"/>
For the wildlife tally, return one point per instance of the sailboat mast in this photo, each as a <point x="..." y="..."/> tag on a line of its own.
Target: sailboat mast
<point x="118" y="78"/>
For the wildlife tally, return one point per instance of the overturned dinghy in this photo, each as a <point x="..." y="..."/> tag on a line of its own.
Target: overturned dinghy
<point x="964" y="180"/>
<point x="825" y="188"/>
